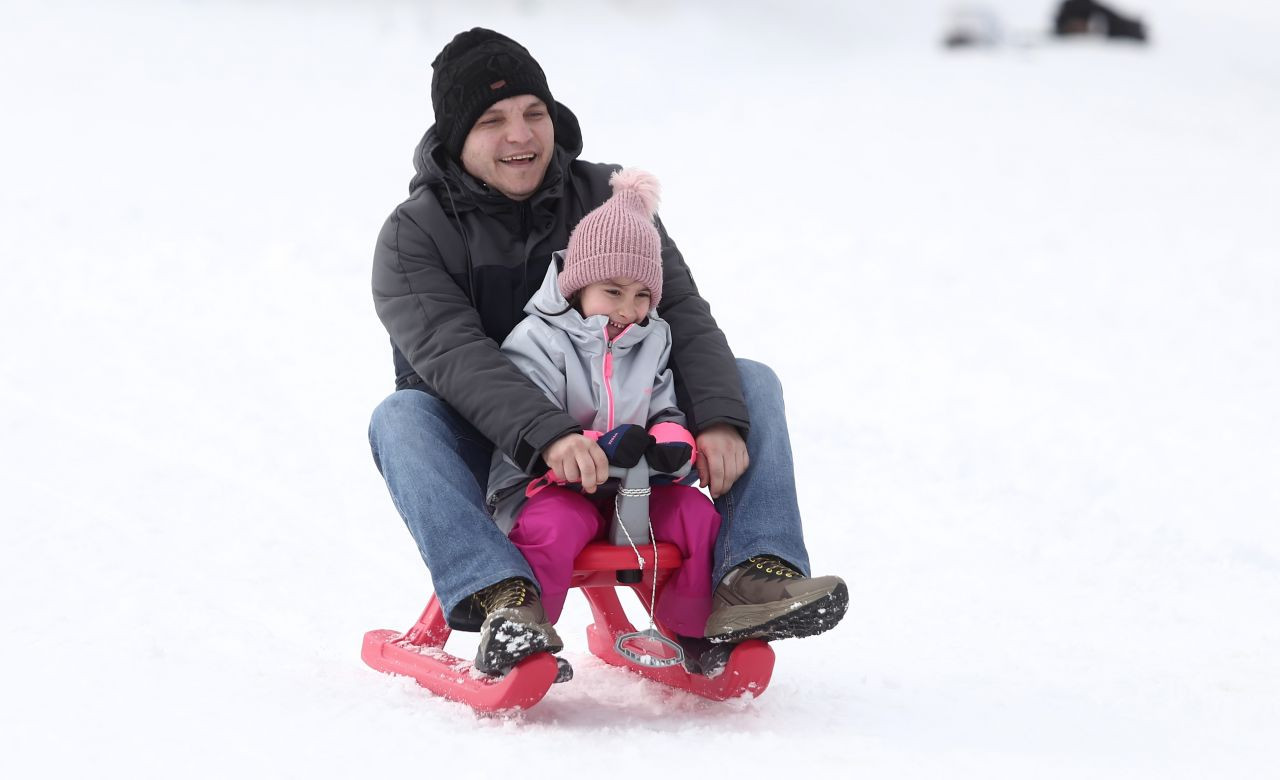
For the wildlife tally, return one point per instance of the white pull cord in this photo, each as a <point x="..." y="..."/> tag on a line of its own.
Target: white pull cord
<point x="652" y="631"/>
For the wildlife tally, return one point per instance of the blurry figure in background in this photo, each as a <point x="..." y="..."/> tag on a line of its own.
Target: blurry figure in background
<point x="972" y="26"/>
<point x="1086" y="17"/>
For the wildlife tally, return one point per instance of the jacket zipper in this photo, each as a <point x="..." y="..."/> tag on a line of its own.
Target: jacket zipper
<point x="608" y="374"/>
<point x="608" y="370"/>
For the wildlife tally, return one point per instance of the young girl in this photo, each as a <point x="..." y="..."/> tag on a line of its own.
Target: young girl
<point x="593" y="341"/>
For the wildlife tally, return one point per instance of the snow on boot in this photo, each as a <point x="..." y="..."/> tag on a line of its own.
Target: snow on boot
<point x="764" y="598"/>
<point x="515" y="626"/>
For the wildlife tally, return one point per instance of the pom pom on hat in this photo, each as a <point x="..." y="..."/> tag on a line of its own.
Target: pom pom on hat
<point x="642" y="183"/>
<point x="618" y="239"/>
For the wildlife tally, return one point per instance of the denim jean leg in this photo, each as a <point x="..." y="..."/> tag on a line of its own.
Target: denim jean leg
<point x="436" y="466"/>
<point x="760" y="514"/>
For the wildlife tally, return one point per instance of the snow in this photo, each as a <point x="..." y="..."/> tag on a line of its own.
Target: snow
<point x="1025" y="303"/>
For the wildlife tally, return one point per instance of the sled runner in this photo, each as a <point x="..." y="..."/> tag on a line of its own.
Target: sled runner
<point x="599" y="571"/>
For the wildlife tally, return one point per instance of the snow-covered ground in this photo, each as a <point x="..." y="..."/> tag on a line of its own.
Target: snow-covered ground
<point x="1025" y="302"/>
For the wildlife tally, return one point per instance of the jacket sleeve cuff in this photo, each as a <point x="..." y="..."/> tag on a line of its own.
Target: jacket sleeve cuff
<point x="528" y="454"/>
<point x="669" y="433"/>
<point x="721" y="410"/>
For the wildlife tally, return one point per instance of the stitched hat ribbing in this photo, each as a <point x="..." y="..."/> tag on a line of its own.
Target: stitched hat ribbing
<point x="618" y="239"/>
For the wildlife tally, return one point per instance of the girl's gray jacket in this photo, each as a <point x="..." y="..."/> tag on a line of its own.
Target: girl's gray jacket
<point x="600" y="384"/>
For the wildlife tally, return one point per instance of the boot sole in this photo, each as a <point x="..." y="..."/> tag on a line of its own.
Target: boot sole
<point x="511" y="642"/>
<point x="711" y="663"/>
<point x="564" y="672"/>
<point x="819" y="615"/>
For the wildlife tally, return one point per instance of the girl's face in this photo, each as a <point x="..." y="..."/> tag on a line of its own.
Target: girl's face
<point x="624" y="301"/>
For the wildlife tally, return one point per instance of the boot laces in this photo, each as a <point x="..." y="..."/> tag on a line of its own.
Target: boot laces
<point x="774" y="566"/>
<point x="503" y="595"/>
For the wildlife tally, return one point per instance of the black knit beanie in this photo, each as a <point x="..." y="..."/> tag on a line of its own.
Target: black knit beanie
<point x="476" y="69"/>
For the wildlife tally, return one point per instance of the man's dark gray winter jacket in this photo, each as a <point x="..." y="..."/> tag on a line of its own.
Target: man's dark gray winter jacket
<point x="454" y="266"/>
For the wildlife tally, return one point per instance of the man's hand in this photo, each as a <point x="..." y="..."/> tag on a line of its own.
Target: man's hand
<point x="722" y="457"/>
<point x="575" y="458"/>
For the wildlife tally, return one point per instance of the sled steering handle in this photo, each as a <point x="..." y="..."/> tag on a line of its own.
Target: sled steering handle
<point x="632" y="517"/>
<point x="631" y="527"/>
<point x="631" y="520"/>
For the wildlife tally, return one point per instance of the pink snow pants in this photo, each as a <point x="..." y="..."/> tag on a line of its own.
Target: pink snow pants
<point x="556" y="523"/>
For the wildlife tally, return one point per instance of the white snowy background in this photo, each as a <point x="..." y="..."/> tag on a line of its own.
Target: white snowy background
<point x="1025" y="303"/>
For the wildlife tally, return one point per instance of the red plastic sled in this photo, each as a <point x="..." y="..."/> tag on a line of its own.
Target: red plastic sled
<point x="419" y="652"/>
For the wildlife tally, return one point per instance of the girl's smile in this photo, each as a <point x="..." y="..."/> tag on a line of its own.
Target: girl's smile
<point x="624" y="301"/>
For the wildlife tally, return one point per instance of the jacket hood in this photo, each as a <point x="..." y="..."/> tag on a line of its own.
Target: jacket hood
<point x="433" y="167"/>
<point x="550" y="306"/>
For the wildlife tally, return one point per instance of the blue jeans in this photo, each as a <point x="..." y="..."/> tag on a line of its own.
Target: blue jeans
<point x="436" y="466"/>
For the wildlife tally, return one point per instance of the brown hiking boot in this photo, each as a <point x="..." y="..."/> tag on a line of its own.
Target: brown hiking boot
<point x="764" y="598"/>
<point x="515" y="626"/>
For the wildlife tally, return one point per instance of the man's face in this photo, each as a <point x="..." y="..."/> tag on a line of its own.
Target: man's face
<point x="510" y="146"/>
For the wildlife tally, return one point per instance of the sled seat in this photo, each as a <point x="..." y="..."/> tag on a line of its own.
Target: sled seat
<point x="599" y="563"/>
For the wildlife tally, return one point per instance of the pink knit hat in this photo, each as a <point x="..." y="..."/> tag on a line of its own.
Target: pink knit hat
<point x="618" y="239"/>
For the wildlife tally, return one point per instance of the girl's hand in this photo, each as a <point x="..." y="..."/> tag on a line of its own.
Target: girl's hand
<point x="575" y="458"/>
<point x="722" y="457"/>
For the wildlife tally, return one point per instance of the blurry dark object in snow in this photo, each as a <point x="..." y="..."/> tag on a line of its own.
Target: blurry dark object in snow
<point x="969" y="26"/>
<point x="1086" y="17"/>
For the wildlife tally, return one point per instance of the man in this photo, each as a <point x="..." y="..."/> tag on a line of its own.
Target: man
<point x="497" y="190"/>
